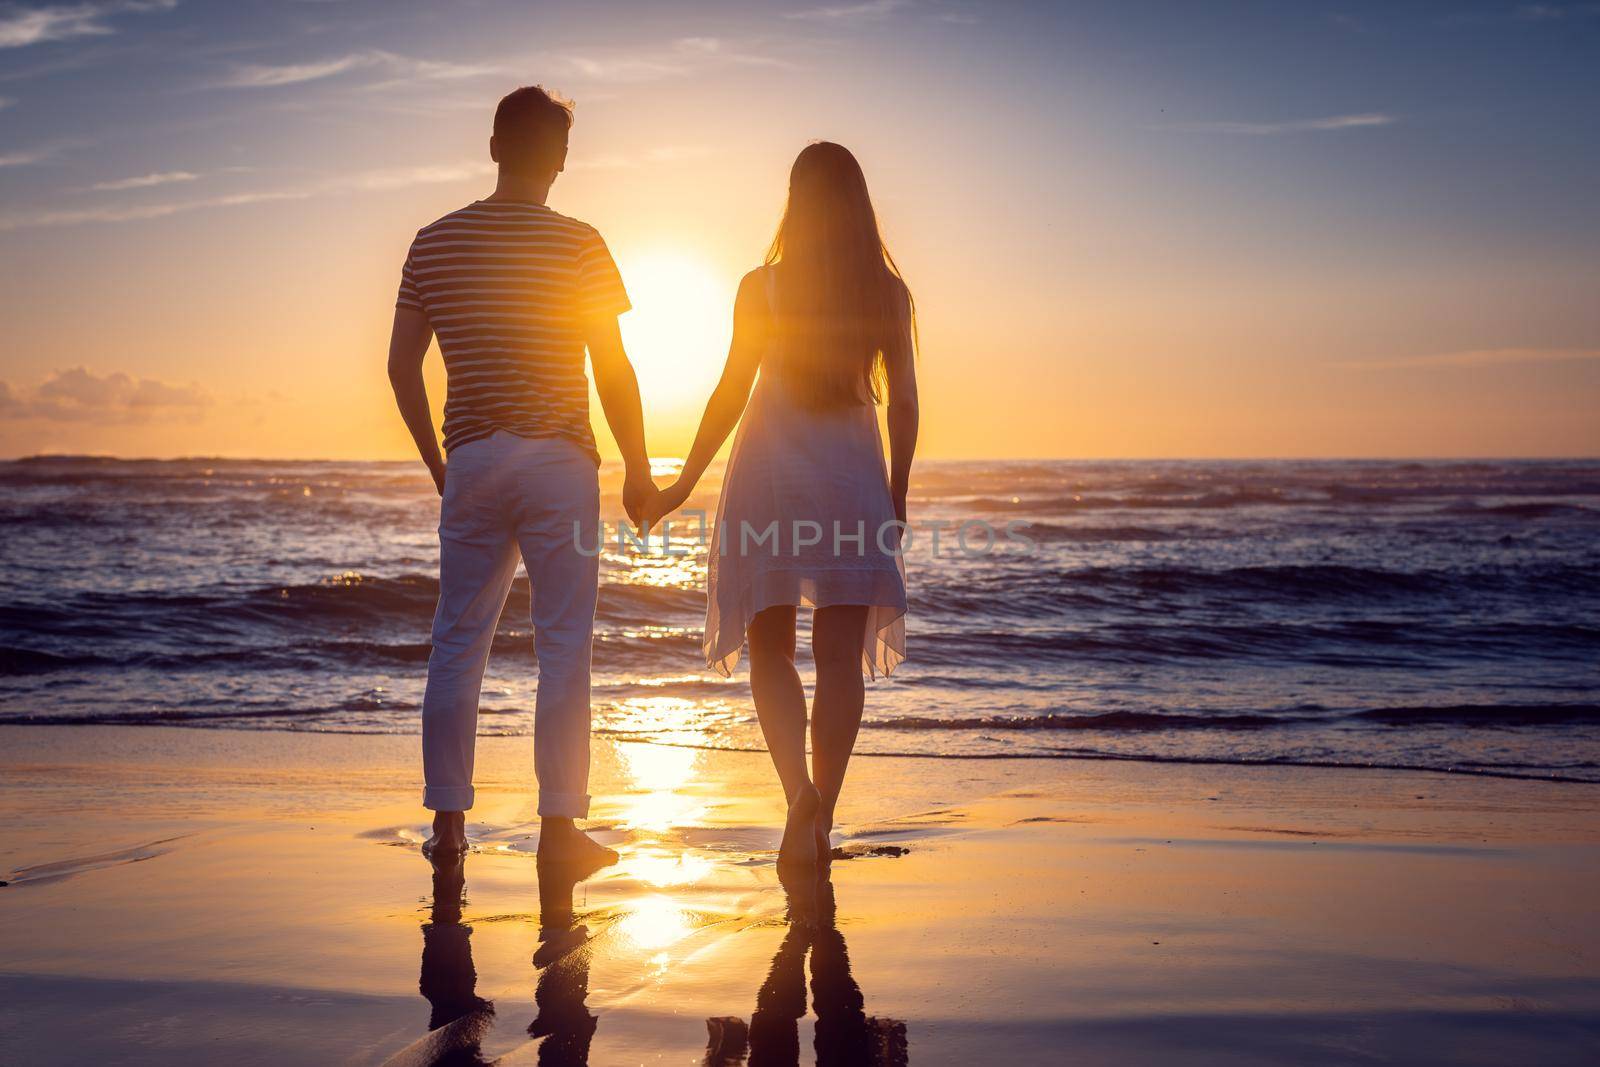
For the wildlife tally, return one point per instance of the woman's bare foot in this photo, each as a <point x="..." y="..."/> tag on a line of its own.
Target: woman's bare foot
<point x="799" y="846"/>
<point x="449" y="840"/>
<point x="800" y="893"/>
<point x="824" y="830"/>
<point x="562" y="844"/>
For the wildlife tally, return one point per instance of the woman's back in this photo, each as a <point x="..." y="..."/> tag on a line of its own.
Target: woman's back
<point x="808" y="516"/>
<point x="805" y="515"/>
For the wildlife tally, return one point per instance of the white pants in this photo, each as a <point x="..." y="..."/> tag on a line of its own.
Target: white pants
<point x="506" y="496"/>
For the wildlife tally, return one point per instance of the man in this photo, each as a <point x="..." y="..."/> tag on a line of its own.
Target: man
<point x="515" y="292"/>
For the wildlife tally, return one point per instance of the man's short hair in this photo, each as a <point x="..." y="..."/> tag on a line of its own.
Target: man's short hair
<point x="530" y="130"/>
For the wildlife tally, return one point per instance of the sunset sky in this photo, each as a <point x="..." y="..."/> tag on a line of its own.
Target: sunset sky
<point x="1132" y="229"/>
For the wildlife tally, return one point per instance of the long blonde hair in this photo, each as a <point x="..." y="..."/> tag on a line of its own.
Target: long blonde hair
<point x="843" y="306"/>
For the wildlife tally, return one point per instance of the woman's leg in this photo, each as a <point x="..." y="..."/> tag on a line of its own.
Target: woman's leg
<point x="781" y="708"/>
<point x="780" y="699"/>
<point x="836" y="637"/>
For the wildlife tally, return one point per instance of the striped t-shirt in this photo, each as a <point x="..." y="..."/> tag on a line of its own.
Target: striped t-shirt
<point x="507" y="286"/>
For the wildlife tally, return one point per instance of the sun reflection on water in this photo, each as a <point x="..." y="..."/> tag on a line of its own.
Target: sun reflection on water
<point x="673" y="720"/>
<point x="660" y="773"/>
<point x="660" y="867"/>
<point x="655" y="923"/>
<point x="683" y="568"/>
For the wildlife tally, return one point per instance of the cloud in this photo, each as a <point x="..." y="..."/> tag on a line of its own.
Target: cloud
<point x="1555" y="12"/>
<point x="23" y="26"/>
<point x="405" y="177"/>
<point x="7" y="101"/>
<point x="436" y="69"/>
<point x="380" y="180"/>
<point x="678" y="58"/>
<point x="1484" y="357"/>
<point x="23" y="159"/>
<point x="1267" y="129"/>
<point x="260" y="76"/>
<point x="359" y="181"/>
<point x="1524" y="13"/>
<point x="653" y="157"/>
<point x="867" y="11"/>
<point x="139" y="212"/>
<point x="144" y="181"/>
<point x="625" y="68"/>
<point x="402" y="69"/>
<point x="80" y="395"/>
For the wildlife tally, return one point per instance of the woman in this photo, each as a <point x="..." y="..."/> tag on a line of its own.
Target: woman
<point x="808" y="515"/>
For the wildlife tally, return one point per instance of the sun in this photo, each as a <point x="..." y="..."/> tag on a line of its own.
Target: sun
<point x="678" y="331"/>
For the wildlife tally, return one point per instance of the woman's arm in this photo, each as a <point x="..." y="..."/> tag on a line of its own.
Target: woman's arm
<point x="900" y="365"/>
<point x="750" y="332"/>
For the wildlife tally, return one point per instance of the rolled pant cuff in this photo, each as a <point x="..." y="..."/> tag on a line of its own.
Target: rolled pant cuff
<point x="447" y="797"/>
<point x="563" y="805"/>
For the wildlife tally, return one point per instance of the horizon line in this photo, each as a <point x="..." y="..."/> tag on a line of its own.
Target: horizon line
<point x="613" y="461"/>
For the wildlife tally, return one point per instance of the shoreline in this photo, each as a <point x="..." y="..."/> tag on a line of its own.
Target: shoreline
<point x="623" y="737"/>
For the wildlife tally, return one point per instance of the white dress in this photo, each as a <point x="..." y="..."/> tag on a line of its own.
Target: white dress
<point x="805" y="518"/>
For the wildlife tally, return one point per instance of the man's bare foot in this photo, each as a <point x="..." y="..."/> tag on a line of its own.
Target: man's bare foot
<point x="799" y="846"/>
<point x="449" y="840"/>
<point x="562" y="844"/>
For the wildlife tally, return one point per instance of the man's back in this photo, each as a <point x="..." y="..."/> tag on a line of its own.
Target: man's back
<point x="515" y="294"/>
<point x="506" y="286"/>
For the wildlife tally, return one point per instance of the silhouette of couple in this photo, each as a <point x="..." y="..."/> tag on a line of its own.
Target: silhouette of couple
<point x="810" y="514"/>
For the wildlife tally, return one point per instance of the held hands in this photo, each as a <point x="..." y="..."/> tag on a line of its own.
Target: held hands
<point x="667" y="501"/>
<point x="638" y="494"/>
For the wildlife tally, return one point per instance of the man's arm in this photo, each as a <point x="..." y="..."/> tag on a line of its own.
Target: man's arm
<point x="408" y="344"/>
<point x="618" y="387"/>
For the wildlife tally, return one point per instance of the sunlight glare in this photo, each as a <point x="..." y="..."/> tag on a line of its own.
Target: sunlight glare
<point x="659" y="771"/>
<point x="678" y="331"/>
<point x="655" y="922"/>
<point x="658" y="867"/>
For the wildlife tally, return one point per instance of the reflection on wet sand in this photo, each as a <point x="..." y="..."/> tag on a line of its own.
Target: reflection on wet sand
<point x="564" y="1020"/>
<point x="563" y="1025"/>
<point x="661" y="906"/>
<point x="845" y="1035"/>
<point x="458" y="1018"/>
<point x="448" y="979"/>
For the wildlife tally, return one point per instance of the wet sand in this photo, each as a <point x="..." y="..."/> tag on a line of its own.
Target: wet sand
<point x="231" y="897"/>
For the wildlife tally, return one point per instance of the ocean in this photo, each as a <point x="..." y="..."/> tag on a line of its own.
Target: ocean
<point x="1443" y="616"/>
